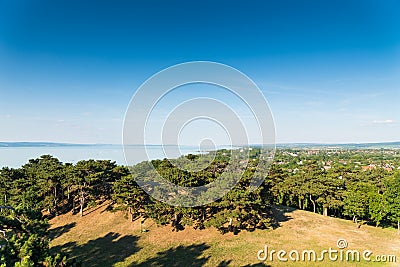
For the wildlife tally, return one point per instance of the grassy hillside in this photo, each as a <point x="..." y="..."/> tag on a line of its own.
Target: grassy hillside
<point x="102" y="238"/>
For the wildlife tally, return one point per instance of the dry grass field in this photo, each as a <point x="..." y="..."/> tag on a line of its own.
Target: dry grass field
<point x="103" y="238"/>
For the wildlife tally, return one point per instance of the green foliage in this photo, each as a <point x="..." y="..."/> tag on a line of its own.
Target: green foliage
<point x="24" y="242"/>
<point x="392" y="197"/>
<point x="239" y="207"/>
<point x="356" y="200"/>
<point x="343" y="183"/>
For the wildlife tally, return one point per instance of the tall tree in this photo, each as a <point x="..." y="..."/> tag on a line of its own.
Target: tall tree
<point x="93" y="180"/>
<point x="392" y="198"/>
<point x="356" y="200"/>
<point x="47" y="173"/>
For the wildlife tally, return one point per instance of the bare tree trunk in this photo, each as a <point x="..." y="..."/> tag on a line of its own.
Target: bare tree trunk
<point x="175" y="223"/>
<point x="81" y="209"/>
<point x="82" y="203"/>
<point x="55" y="198"/>
<point x="325" y="211"/>
<point x="131" y="213"/>
<point x="313" y="202"/>
<point x="73" y="206"/>
<point x="230" y="227"/>
<point x="398" y="227"/>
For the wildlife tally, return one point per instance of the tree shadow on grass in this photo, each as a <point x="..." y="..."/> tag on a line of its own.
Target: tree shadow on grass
<point x="103" y="251"/>
<point x="98" y="206"/>
<point x="280" y="215"/>
<point x="59" y="231"/>
<point x="257" y="265"/>
<point x="112" y="248"/>
<point x="224" y="263"/>
<point x="185" y="256"/>
<point x="228" y="263"/>
<point x="178" y="256"/>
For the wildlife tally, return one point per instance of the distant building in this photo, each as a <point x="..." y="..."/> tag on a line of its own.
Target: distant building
<point x="326" y="168"/>
<point x="369" y="167"/>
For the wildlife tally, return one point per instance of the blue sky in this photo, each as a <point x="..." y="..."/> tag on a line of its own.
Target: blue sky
<point x="329" y="69"/>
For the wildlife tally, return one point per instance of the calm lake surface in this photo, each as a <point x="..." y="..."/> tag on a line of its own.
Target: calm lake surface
<point x="15" y="157"/>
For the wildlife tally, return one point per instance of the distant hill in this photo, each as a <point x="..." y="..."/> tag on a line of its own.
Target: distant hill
<point x="37" y="144"/>
<point x="281" y="145"/>
<point x="344" y="146"/>
<point x="48" y="144"/>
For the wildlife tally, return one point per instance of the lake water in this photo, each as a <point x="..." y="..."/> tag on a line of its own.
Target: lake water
<point x="15" y="157"/>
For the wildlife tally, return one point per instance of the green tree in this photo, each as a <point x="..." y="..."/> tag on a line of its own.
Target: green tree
<point x="127" y="193"/>
<point x="92" y="180"/>
<point x="47" y="173"/>
<point x="356" y="200"/>
<point x="392" y="198"/>
<point x="24" y="240"/>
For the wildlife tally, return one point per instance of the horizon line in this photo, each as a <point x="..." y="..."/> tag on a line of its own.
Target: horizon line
<point x="253" y="144"/>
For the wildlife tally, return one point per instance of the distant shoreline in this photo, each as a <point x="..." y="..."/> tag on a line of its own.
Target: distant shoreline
<point x="279" y="145"/>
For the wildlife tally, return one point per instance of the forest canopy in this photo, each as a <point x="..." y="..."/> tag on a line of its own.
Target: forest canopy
<point x="359" y="185"/>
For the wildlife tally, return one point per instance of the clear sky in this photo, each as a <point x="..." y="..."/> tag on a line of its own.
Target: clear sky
<point x="329" y="69"/>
